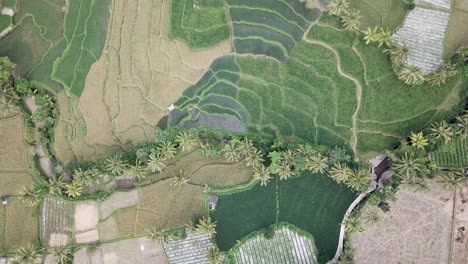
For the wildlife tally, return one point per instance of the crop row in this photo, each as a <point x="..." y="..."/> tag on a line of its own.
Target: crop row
<point x="452" y="155"/>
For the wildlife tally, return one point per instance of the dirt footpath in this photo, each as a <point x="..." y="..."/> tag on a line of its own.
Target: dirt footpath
<point x="418" y="229"/>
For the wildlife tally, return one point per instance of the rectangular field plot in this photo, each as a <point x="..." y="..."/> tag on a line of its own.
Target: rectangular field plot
<point x="192" y="249"/>
<point x="452" y="155"/>
<point x="13" y="182"/>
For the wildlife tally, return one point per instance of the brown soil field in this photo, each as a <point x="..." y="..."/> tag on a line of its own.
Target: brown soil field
<point x="140" y="74"/>
<point x="19" y="233"/>
<point x="108" y="229"/>
<point x="13" y="182"/>
<point x="13" y="153"/>
<point x="458" y="30"/>
<point x="417" y="229"/>
<point x="86" y="216"/>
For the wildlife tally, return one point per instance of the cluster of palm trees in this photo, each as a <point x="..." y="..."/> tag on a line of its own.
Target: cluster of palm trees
<point x="411" y="163"/>
<point x="32" y="254"/>
<point x="358" y="180"/>
<point x="351" y="18"/>
<point x="8" y="95"/>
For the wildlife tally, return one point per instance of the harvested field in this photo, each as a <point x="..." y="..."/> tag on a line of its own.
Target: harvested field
<point x="13" y="152"/>
<point x="125" y="220"/>
<point x="13" y="182"/>
<point x="134" y="82"/>
<point x="312" y="202"/>
<point x="117" y="201"/>
<point x="286" y="246"/>
<point x="193" y="249"/>
<point x="108" y="229"/>
<point x="15" y="233"/>
<point x="459" y="241"/>
<point x="57" y="221"/>
<point x="418" y="227"/>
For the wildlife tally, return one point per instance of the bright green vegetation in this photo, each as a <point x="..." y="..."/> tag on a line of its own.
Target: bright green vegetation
<point x="378" y="13"/>
<point x="312" y="202"/>
<point x="5" y="22"/>
<point x="19" y="226"/>
<point x="453" y="154"/>
<point x="201" y="24"/>
<point x="313" y="95"/>
<point x="57" y="48"/>
<point x="9" y="3"/>
<point x="271" y="28"/>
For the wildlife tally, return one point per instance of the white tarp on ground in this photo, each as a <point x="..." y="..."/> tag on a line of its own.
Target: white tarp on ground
<point x="438" y="3"/>
<point x="191" y="250"/>
<point x="424" y="33"/>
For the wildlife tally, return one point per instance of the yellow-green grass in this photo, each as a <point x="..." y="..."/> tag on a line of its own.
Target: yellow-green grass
<point x="13" y="182"/>
<point x="19" y="226"/>
<point x="146" y="221"/>
<point x="200" y="24"/>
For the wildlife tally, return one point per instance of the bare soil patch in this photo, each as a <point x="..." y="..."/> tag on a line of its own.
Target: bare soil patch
<point x="417" y="228"/>
<point x="86" y="216"/>
<point x="13" y="152"/>
<point x="139" y="250"/>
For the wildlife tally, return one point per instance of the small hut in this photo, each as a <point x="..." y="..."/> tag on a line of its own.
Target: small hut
<point x="213" y="202"/>
<point x="380" y="170"/>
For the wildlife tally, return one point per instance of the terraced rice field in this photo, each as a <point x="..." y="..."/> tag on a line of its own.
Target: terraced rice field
<point x="55" y="43"/>
<point x="193" y="249"/>
<point x="376" y="13"/>
<point x="331" y="90"/>
<point x="286" y="246"/>
<point x="312" y="202"/>
<point x="452" y="155"/>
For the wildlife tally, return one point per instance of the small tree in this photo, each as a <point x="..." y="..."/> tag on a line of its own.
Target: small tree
<point x="353" y="224"/>
<point x="186" y="140"/>
<point x="262" y="174"/>
<point x="338" y="7"/>
<point x="180" y="179"/>
<point x="63" y="254"/>
<point x="214" y="255"/>
<point x="269" y="232"/>
<point x="207" y="226"/>
<point x="418" y="140"/>
<point x="450" y="181"/>
<point x="28" y="255"/>
<point x="115" y="165"/>
<point x="29" y="197"/>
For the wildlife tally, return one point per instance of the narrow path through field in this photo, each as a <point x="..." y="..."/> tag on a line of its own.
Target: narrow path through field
<point x="358" y="90"/>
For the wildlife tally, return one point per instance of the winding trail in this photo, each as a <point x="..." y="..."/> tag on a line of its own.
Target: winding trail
<point x="358" y="90"/>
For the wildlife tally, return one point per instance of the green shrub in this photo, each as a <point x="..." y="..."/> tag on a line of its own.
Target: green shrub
<point x="269" y="232"/>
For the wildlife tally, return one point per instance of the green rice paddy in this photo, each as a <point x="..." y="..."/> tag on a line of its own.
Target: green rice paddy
<point x="55" y="47"/>
<point x="312" y="202"/>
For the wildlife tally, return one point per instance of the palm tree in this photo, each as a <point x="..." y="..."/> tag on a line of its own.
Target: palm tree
<point x="318" y="163"/>
<point x="245" y="147"/>
<point x="414" y="181"/>
<point x="62" y="254"/>
<point x="138" y="171"/>
<point x="288" y="156"/>
<point x="28" y="255"/>
<point x="418" y="140"/>
<point x="205" y="225"/>
<point x="370" y="35"/>
<point x="91" y="177"/>
<point x="462" y="125"/>
<point x="230" y="152"/>
<point x="254" y="158"/>
<point x="156" y="162"/>
<point x="450" y="181"/>
<point x="359" y="180"/>
<point x="284" y="171"/>
<point x="398" y="53"/>
<point x="180" y="179"/>
<point x="440" y="77"/>
<point x="305" y="150"/>
<point x="353" y="224"/>
<point x="384" y="37"/>
<point x="411" y="75"/>
<point x="214" y="255"/>
<point x="186" y="140"/>
<point x="154" y="234"/>
<point x="340" y="172"/>
<point x="56" y="185"/>
<point x="461" y="172"/>
<point x="74" y="189"/>
<point x="442" y="131"/>
<point x="352" y="20"/>
<point x="262" y="174"/>
<point x="167" y="149"/>
<point x="115" y="165"/>
<point x="7" y="106"/>
<point x="338" y="7"/>
<point x="407" y="165"/>
<point x="372" y="216"/>
<point x="29" y="197"/>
